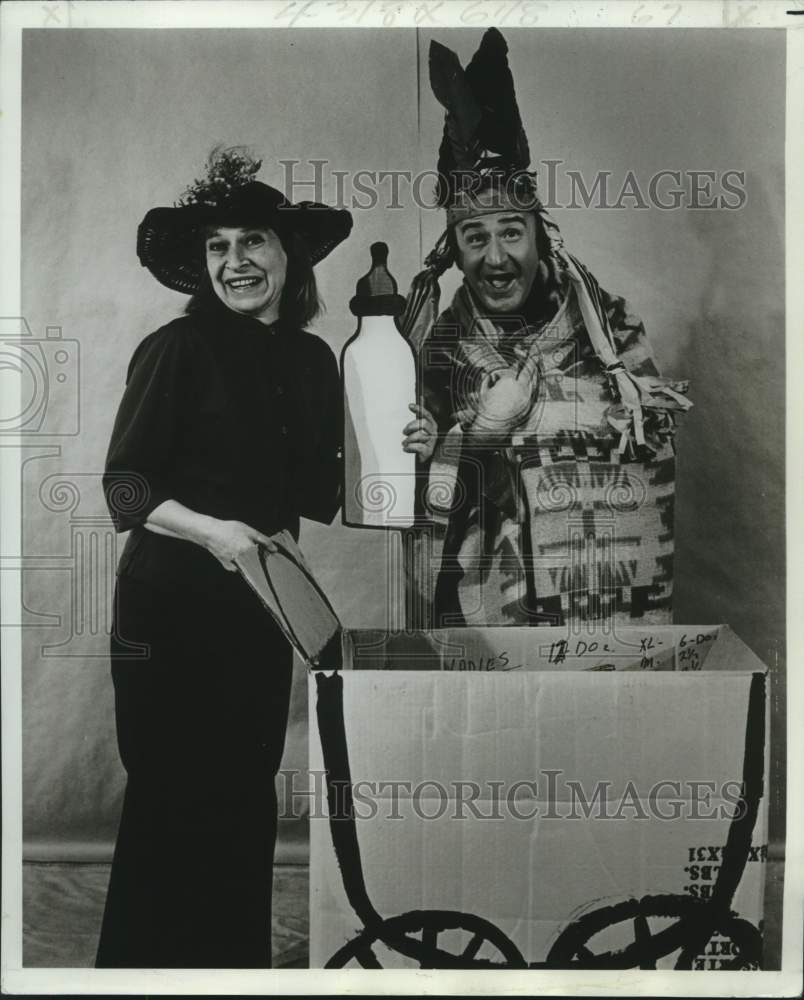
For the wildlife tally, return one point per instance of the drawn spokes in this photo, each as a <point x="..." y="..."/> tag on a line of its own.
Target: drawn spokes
<point x="430" y="939"/>
<point x="640" y="933"/>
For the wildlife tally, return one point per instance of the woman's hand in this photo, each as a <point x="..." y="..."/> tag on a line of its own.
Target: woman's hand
<point x="420" y="434"/>
<point x="227" y="540"/>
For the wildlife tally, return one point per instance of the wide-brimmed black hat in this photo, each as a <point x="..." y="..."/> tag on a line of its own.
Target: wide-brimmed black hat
<point x="169" y="239"/>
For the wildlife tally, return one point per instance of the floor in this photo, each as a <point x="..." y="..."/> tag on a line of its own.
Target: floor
<point x="63" y="906"/>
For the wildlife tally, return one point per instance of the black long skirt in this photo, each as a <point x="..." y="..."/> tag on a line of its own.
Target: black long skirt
<point x="201" y="728"/>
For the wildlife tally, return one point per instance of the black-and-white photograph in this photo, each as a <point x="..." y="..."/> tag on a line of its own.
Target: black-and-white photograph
<point x="394" y="428"/>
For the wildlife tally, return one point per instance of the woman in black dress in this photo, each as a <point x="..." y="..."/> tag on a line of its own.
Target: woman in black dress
<point x="228" y="431"/>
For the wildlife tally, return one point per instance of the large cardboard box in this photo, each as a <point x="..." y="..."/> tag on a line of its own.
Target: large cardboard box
<point x="524" y="797"/>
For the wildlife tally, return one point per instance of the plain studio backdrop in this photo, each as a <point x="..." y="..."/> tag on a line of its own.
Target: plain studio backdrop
<point x="115" y="122"/>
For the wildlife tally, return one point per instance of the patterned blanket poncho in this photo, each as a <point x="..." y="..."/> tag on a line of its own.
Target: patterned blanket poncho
<point x="564" y="512"/>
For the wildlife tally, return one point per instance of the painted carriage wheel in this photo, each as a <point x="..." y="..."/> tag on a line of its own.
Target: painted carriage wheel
<point x="746" y="946"/>
<point x="473" y="943"/>
<point x="646" y="944"/>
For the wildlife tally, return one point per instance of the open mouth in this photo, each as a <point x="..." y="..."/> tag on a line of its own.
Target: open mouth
<point x="243" y="284"/>
<point x="500" y="283"/>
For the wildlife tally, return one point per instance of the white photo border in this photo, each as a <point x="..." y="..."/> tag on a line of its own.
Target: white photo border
<point x="79" y="14"/>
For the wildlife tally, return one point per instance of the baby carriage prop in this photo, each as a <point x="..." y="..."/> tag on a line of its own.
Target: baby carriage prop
<point x="515" y="891"/>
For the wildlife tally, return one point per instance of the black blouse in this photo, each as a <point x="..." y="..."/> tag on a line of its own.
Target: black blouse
<point x="231" y="418"/>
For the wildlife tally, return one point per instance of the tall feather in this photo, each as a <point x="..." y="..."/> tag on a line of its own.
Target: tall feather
<point x="489" y="77"/>
<point x="482" y="126"/>
<point x="458" y="150"/>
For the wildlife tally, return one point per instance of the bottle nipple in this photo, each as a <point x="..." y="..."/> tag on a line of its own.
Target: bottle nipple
<point x="376" y="293"/>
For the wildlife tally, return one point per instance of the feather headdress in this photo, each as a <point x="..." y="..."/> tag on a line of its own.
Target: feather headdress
<point x="483" y="135"/>
<point x="484" y="151"/>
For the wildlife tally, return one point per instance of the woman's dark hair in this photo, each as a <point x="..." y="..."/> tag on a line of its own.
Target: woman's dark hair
<point x="300" y="302"/>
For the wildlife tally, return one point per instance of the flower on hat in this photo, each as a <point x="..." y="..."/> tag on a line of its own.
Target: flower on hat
<point x="227" y="170"/>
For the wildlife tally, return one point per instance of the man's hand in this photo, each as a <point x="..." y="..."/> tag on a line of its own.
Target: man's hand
<point x="420" y="434"/>
<point x="226" y="540"/>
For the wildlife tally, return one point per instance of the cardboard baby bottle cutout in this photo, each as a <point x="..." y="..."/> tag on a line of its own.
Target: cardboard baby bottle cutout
<point x="379" y="381"/>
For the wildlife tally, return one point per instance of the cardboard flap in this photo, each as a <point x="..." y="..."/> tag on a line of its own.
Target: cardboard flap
<point x="285" y="585"/>
<point x="692" y="648"/>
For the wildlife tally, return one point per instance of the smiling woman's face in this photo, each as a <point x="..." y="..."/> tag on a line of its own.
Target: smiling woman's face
<point x="247" y="268"/>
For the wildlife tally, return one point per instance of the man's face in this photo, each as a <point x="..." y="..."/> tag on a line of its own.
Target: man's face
<point x="498" y="256"/>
